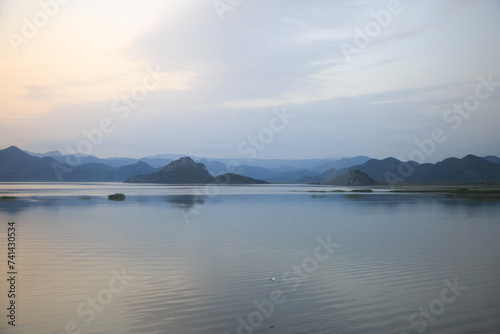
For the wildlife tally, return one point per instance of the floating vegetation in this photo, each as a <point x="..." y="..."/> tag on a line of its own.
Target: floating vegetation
<point x="467" y="193"/>
<point x="84" y="198"/>
<point x="483" y="197"/>
<point x="355" y="197"/>
<point x="6" y="198"/>
<point x="318" y="196"/>
<point x="361" y="191"/>
<point x="450" y="191"/>
<point x="324" y="191"/>
<point x="116" y="197"/>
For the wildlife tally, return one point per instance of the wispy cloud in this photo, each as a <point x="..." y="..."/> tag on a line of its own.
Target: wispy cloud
<point x="221" y="77"/>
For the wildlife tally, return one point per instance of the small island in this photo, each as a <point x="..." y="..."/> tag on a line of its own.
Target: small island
<point x="116" y="197"/>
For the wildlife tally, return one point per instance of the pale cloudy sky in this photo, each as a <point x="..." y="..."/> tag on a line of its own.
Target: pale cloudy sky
<point x="201" y="78"/>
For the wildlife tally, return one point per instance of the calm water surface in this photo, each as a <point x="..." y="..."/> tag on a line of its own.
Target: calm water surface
<point x="186" y="259"/>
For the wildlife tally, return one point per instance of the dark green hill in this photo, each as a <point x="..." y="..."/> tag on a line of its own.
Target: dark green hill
<point x="379" y="169"/>
<point x="324" y="177"/>
<point x="182" y="171"/>
<point x="231" y="178"/>
<point x="186" y="171"/>
<point x="353" y="178"/>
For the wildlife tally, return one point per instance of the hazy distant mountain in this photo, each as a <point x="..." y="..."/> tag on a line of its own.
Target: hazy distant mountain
<point x="468" y="169"/>
<point x="90" y="159"/>
<point x="376" y="169"/>
<point x="118" y="162"/>
<point x="92" y="172"/>
<point x="186" y="171"/>
<point x="272" y="176"/>
<point x="281" y="174"/>
<point x="96" y="172"/>
<point x="17" y="165"/>
<point x="168" y="156"/>
<point x="353" y="178"/>
<point x="156" y="162"/>
<point x="273" y="164"/>
<point x="274" y="170"/>
<point x="492" y="158"/>
<point x="51" y="154"/>
<point x="286" y="169"/>
<point x="342" y="163"/>
<point x="323" y="177"/>
<point x="215" y="167"/>
<point x="255" y="172"/>
<point x="139" y="167"/>
<point x="290" y="177"/>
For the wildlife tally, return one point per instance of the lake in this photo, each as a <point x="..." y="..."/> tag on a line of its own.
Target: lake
<point x="193" y="259"/>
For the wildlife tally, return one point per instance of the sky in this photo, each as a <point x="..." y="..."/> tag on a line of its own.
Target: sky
<point x="291" y="79"/>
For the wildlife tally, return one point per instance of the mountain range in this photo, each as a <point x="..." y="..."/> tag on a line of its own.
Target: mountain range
<point x="18" y="166"/>
<point x="214" y="166"/>
<point x="470" y="169"/>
